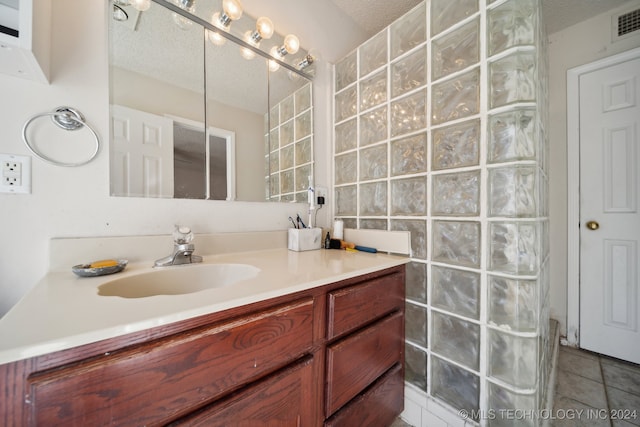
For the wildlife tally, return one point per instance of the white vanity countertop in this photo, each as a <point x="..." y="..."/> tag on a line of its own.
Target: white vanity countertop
<point x="64" y="311"/>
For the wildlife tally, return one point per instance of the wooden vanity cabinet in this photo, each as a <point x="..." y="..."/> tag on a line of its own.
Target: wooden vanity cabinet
<point x="354" y="306"/>
<point x="365" y="346"/>
<point x="379" y="405"/>
<point x="326" y="355"/>
<point x="283" y="399"/>
<point x="175" y="375"/>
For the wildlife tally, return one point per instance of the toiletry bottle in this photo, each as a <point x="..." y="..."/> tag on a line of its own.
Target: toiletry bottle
<point x="327" y="241"/>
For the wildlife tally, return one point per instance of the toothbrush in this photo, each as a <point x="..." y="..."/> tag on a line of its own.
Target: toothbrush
<point x="300" y="222"/>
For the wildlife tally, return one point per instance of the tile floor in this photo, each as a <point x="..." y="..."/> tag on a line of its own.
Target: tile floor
<point x="399" y="423"/>
<point x="590" y="387"/>
<point x="592" y="390"/>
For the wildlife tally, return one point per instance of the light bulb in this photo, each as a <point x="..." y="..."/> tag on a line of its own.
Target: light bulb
<point x="216" y="38"/>
<point x="264" y="27"/>
<point x="141" y="5"/>
<point x="264" y="30"/>
<point x="273" y="66"/>
<point x="275" y="52"/>
<point x="182" y="22"/>
<point x="291" y="44"/>
<point x="215" y="20"/>
<point x="232" y="8"/>
<point x="248" y="37"/>
<point x="247" y="53"/>
<point x="188" y="6"/>
<point x="312" y="57"/>
<point x="293" y="76"/>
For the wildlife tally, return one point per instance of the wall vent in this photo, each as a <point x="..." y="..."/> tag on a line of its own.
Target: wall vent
<point x="626" y="24"/>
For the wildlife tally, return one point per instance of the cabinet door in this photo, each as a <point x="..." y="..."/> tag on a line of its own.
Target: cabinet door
<point x="356" y="361"/>
<point x="378" y="406"/>
<point x="355" y="306"/>
<point x="284" y="399"/>
<point x="168" y="378"/>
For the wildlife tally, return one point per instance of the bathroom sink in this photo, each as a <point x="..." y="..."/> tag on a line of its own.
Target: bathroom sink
<point x="177" y="280"/>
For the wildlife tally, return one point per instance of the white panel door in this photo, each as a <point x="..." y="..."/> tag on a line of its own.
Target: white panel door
<point x="141" y="153"/>
<point x="609" y="219"/>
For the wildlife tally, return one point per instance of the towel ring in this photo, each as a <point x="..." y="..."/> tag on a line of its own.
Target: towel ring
<point x="66" y="118"/>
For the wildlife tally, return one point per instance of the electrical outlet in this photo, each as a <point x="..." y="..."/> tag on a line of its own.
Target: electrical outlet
<point x="322" y="192"/>
<point x="14" y="181"/>
<point x="16" y="174"/>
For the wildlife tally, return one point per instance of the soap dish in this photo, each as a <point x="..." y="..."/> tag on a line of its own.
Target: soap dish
<point x="85" y="270"/>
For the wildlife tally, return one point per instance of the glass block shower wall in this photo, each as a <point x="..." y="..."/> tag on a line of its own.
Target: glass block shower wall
<point x="439" y="130"/>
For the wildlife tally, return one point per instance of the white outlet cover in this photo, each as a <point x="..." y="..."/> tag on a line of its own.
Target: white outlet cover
<point x="321" y="192"/>
<point x="24" y="172"/>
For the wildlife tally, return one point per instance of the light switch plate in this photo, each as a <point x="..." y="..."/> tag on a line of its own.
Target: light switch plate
<point x="15" y="174"/>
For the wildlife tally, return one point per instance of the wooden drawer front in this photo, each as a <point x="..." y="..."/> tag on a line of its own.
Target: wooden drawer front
<point x="356" y="361"/>
<point x="283" y="399"/>
<point x="357" y="305"/>
<point x="169" y="378"/>
<point x="380" y="405"/>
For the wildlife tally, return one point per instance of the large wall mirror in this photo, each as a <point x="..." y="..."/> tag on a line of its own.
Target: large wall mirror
<point x="201" y="120"/>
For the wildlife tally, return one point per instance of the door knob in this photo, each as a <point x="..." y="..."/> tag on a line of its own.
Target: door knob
<point x="593" y="225"/>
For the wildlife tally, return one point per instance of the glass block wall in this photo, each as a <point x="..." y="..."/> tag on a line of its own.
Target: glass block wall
<point x="439" y="130"/>
<point x="288" y="147"/>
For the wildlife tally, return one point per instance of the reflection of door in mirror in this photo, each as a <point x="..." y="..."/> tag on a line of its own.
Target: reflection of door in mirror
<point x="141" y="153"/>
<point x="165" y="156"/>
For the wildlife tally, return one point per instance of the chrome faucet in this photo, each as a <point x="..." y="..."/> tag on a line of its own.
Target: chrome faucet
<point x="183" y="249"/>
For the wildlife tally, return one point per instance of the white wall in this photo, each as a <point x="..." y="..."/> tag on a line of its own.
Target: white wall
<point x="577" y="45"/>
<point x="67" y="202"/>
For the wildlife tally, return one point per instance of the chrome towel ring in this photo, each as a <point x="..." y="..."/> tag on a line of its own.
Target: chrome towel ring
<point x="66" y="118"/>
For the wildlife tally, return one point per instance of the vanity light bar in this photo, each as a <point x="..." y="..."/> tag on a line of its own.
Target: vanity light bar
<point x="172" y="7"/>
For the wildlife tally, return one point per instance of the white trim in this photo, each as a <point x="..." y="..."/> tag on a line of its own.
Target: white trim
<point x="573" y="186"/>
<point x="230" y="138"/>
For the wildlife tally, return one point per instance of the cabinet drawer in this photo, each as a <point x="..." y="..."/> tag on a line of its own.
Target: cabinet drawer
<point x="283" y="399"/>
<point x="171" y="377"/>
<point x="357" y="305"/>
<point x="356" y="361"/>
<point x="378" y="406"/>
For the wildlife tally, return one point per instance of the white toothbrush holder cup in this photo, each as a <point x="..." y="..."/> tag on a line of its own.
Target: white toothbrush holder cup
<point x="304" y="239"/>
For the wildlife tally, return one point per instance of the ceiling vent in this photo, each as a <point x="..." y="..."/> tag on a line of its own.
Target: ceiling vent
<point x="626" y="24"/>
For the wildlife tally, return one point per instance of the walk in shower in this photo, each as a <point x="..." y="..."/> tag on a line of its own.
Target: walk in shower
<point x="440" y="130"/>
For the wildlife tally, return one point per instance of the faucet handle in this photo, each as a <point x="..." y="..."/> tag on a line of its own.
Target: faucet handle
<point x="182" y="234"/>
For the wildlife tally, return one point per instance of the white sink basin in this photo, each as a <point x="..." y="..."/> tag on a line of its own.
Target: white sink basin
<point x="178" y="280"/>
